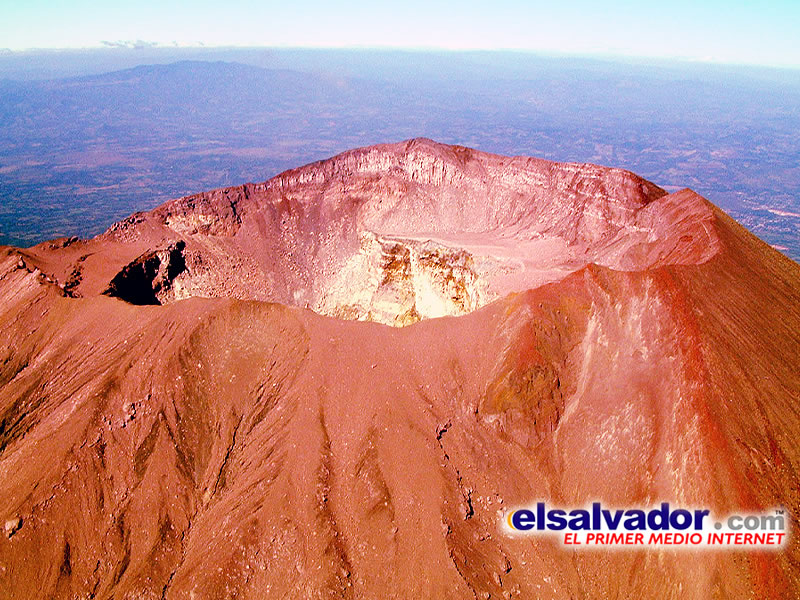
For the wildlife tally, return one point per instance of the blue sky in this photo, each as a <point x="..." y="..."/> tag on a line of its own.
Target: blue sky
<point x="712" y="30"/>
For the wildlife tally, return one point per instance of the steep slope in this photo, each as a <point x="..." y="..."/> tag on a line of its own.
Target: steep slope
<point x="200" y="440"/>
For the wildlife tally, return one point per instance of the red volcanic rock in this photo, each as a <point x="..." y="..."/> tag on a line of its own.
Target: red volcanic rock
<point x="174" y="422"/>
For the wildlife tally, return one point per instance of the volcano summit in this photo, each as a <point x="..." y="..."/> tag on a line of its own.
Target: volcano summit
<point x="206" y="401"/>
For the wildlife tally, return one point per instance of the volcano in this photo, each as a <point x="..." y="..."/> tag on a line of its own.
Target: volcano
<point x="335" y="383"/>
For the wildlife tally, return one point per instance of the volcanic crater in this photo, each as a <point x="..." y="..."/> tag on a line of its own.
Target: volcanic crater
<point x="205" y="401"/>
<point x="398" y="233"/>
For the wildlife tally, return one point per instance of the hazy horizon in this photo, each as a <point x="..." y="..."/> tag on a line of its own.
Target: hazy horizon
<point x="713" y="31"/>
<point x="55" y="63"/>
<point x="140" y="46"/>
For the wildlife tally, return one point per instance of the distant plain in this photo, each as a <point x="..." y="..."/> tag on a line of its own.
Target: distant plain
<point x="88" y="137"/>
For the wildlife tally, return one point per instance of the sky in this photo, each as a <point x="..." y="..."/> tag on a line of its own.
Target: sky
<point x="724" y="31"/>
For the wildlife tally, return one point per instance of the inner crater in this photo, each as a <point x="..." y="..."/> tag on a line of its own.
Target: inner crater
<point x="401" y="281"/>
<point x="397" y="233"/>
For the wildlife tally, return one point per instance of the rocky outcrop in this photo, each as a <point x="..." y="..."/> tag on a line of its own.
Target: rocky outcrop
<point x="151" y="278"/>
